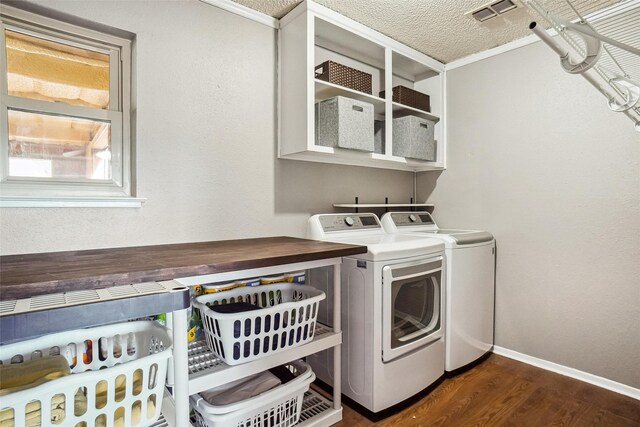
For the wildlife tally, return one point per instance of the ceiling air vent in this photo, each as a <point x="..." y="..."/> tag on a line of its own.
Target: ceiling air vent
<point x="491" y="10"/>
<point x="483" y="14"/>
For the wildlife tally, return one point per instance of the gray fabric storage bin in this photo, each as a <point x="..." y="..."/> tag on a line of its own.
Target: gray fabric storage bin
<point x="378" y="136"/>
<point x="345" y="123"/>
<point x="413" y="137"/>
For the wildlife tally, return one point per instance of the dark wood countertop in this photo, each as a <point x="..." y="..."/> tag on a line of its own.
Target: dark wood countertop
<point x="23" y="276"/>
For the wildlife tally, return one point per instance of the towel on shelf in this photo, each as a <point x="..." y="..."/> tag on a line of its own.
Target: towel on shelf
<point x="31" y="373"/>
<point x="241" y="389"/>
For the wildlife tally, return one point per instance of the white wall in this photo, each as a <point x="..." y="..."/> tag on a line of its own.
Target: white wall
<point x="536" y="157"/>
<point x="206" y="142"/>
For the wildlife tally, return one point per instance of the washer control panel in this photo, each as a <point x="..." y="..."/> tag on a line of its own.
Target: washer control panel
<point x="412" y="218"/>
<point x="346" y="222"/>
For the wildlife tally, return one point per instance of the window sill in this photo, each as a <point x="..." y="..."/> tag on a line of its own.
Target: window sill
<point x="71" y="202"/>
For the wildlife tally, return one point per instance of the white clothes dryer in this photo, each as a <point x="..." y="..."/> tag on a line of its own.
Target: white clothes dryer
<point x="470" y="290"/>
<point x="392" y="311"/>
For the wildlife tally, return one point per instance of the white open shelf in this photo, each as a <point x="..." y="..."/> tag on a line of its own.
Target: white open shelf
<point x="312" y="34"/>
<point x="326" y="90"/>
<point x="335" y="37"/>
<point x="339" y="156"/>
<point x="206" y="369"/>
<point x="409" y="164"/>
<point x="318" y="411"/>
<point x="411" y="69"/>
<point x="405" y="110"/>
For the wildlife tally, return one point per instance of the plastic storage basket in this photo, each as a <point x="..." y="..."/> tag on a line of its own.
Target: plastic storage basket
<point x="117" y="377"/>
<point x="278" y="407"/>
<point x="287" y="319"/>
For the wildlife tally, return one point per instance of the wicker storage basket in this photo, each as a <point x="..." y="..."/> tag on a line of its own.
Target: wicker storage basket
<point x="342" y="75"/>
<point x="409" y="97"/>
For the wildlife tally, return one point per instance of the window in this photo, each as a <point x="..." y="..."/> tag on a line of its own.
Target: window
<point x="65" y="110"/>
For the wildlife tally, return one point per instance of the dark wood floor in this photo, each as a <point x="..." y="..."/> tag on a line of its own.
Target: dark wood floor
<point x="504" y="392"/>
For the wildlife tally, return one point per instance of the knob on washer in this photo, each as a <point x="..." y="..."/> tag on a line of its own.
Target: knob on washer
<point x="349" y="221"/>
<point x="413" y="218"/>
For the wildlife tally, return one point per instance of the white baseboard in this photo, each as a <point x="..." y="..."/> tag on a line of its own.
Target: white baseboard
<point x="569" y="372"/>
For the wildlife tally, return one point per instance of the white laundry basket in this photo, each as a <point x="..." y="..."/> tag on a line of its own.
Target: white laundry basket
<point x="278" y="407"/>
<point x="127" y="360"/>
<point x="287" y="319"/>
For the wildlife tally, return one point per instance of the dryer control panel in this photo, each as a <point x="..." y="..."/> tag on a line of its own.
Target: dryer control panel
<point x="412" y="218"/>
<point x="347" y="222"/>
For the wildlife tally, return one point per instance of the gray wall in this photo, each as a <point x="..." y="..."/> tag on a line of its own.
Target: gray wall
<point x="536" y="157"/>
<point x="557" y="182"/>
<point x="206" y="141"/>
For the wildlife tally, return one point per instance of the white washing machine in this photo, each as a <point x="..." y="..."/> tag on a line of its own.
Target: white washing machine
<point x="392" y="311"/>
<point x="470" y="259"/>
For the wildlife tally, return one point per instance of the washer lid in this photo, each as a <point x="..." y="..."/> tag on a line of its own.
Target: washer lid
<point x="390" y="246"/>
<point x="422" y="223"/>
<point x="462" y="237"/>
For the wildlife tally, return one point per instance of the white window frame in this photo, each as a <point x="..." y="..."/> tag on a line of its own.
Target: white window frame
<point x="30" y="192"/>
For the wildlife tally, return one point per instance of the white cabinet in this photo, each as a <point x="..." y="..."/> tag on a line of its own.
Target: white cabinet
<point x="311" y="34"/>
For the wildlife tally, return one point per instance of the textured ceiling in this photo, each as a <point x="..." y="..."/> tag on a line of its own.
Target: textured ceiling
<point x="438" y="28"/>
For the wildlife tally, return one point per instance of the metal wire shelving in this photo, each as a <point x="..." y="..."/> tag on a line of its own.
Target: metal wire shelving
<point x="601" y="44"/>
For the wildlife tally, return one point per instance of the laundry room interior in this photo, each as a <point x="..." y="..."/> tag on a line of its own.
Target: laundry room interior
<point x="406" y="213"/>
